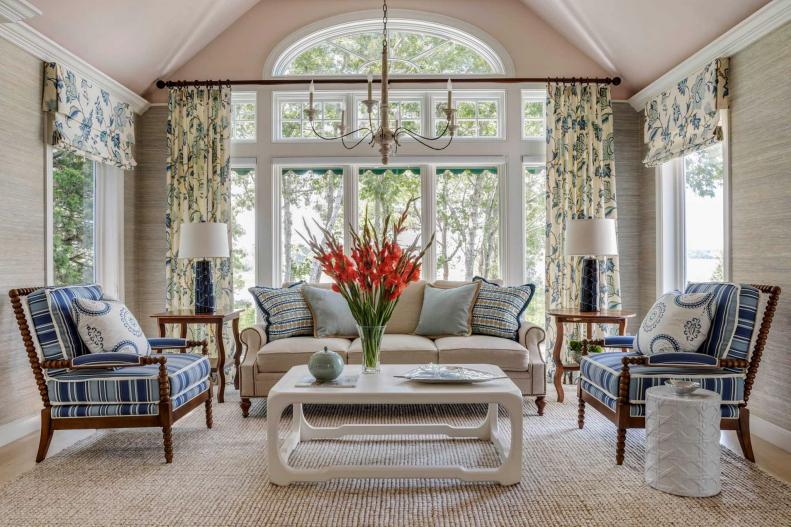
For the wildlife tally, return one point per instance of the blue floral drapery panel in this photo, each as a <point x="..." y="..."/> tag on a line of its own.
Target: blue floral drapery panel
<point x="686" y="118"/>
<point x="580" y="184"/>
<point x="83" y="117"/>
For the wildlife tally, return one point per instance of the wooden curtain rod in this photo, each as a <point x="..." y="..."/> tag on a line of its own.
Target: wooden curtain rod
<point x="615" y="81"/>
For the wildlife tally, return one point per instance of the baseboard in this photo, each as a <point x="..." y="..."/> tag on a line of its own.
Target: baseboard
<point x="770" y="432"/>
<point x="19" y="428"/>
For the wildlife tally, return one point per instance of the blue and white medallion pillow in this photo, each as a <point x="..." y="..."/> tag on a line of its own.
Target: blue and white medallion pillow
<point x="108" y="326"/>
<point x="676" y="323"/>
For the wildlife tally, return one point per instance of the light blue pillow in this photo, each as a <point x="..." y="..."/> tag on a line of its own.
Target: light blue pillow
<point x="107" y="326"/>
<point x="331" y="314"/>
<point x="447" y="312"/>
<point x="676" y="323"/>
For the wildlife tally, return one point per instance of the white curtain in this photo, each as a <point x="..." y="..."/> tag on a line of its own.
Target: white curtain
<point x="109" y="229"/>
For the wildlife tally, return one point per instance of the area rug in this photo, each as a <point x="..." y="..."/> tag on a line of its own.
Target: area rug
<point x="219" y="477"/>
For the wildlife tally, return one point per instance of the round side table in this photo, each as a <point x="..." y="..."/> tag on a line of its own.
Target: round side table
<point x="682" y="442"/>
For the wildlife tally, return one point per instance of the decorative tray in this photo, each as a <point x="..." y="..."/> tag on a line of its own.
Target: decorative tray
<point x="436" y="374"/>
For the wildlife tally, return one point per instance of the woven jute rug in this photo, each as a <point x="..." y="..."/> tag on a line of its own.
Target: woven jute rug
<point x="219" y="477"/>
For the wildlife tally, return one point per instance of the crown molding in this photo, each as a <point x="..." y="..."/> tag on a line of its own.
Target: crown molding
<point x="16" y="11"/>
<point x="48" y="50"/>
<point x="762" y="22"/>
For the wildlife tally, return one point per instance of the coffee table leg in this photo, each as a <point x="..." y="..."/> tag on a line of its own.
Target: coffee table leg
<point x="510" y="472"/>
<point x="277" y="457"/>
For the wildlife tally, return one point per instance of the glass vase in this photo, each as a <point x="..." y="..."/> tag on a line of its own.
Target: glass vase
<point x="371" y="340"/>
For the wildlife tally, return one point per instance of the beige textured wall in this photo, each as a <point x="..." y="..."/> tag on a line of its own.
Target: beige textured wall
<point x="22" y="262"/>
<point x="647" y="259"/>
<point x="761" y="194"/>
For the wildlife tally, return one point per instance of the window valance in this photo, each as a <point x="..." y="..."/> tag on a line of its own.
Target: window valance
<point x="82" y="117"/>
<point x="686" y="118"/>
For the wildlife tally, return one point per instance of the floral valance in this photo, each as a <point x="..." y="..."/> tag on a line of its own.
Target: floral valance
<point x="686" y="118"/>
<point x="82" y="117"/>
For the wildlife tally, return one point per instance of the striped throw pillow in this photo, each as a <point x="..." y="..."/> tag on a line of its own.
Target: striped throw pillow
<point x="498" y="310"/>
<point x="285" y="312"/>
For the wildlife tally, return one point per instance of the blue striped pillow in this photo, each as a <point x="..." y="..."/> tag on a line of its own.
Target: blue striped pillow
<point x="284" y="310"/>
<point x="723" y="326"/>
<point x="749" y="298"/>
<point x="498" y="310"/>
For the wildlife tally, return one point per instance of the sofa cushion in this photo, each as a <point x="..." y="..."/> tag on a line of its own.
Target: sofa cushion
<point x="483" y="349"/>
<point x="280" y="355"/>
<point x="331" y="314"/>
<point x="407" y="312"/>
<point x="447" y="311"/>
<point x="723" y="325"/>
<point x="284" y="310"/>
<point x="497" y="310"/>
<point x="399" y="349"/>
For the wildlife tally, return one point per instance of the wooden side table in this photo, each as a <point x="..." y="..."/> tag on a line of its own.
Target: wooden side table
<point x="216" y="319"/>
<point x="575" y="316"/>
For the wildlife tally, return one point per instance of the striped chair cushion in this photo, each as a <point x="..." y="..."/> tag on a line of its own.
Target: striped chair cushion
<point x="50" y="311"/>
<point x="723" y="325"/>
<point x="497" y="310"/>
<point x="111" y="410"/>
<point x="603" y="371"/>
<point x="746" y="324"/>
<point x="135" y="384"/>
<point x="167" y="342"/>
<point x="285" y="311"/>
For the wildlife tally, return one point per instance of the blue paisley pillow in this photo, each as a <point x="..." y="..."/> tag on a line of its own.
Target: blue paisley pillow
<point x="108" y="326"/>
<point x="676" y="323"/>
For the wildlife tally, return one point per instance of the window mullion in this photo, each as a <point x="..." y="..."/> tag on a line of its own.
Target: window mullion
<point x="428" y="213"/>
<point x="351" y="180"/>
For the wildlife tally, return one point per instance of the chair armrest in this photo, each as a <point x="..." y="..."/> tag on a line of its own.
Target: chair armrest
<point x="140" y="360"/>
<point x="531" y="335"/>
<point x="619" y="341"/>
<point x="106" y="360"/>
<point x="681" y="359"/>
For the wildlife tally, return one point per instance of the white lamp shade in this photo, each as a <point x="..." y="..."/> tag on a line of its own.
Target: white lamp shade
<point x="204" y="240"/>
<point x="591" y="237"/>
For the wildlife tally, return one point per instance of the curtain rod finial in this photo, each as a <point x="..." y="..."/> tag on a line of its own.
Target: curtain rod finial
<point x="160" y="84"/>
<point x="616" y="81"/>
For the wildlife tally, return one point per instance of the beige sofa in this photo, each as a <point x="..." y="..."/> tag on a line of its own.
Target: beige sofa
<point x="263" y="363"/>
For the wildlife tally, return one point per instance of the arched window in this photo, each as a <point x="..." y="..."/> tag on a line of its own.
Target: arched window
<point x="416" y="47"/>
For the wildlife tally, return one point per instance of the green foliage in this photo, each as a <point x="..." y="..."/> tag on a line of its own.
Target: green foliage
<point x="383" y="193"/>
<point x="72" y="218"/>
<point x="703" y="171"/>
<point x="535" y="212"/>
<point x="242" y="258"/>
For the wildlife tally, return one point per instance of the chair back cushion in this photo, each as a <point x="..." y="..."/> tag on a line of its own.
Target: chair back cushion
<point x="676" y="323"/>
<point x="723" y="325"/>
<point x="747" y="323"/>
<point x="284" y="310"/>
<point x="107" y="326"/>
<point x="497" y="310"/>
<point x="50" y="311"/>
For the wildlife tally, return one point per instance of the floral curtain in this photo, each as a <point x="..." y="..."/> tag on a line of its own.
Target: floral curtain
<point x="580" y="184"/>
<point x="83" y="118"/>
<point x="686" y="118"/>
<point x="198" y="189"/>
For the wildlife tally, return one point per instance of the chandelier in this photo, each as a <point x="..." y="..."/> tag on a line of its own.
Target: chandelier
<point x="383" y="136"/>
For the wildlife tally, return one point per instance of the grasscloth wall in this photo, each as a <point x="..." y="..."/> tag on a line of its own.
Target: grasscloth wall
<point x="21" y="217"/>
<point x="761" y="201"/>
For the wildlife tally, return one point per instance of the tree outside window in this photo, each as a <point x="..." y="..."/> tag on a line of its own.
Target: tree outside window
<point x="243" y="241"/>
<point x="535" y="211"/>
<point x="385" y="192"/>
<point x="704" y="215"/>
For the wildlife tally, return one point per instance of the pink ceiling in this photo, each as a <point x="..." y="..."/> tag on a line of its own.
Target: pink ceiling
<point x="136" y="41"/>
<point x="641" y="40"/>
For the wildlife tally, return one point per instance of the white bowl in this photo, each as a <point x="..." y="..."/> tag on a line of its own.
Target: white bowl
<point x="680" y="387"/>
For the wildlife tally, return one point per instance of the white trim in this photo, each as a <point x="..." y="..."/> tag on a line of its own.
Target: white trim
<point x="371" y="19"/>
<point x="48" y="50"/>
<point x="17" y="10"/>
<point x="770" y="432"/>
<point x="19" y="428"/>
<point x="762" y="22"/>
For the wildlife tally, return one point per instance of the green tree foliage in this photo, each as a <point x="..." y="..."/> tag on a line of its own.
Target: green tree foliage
<point x="535" y="241"/>
<point x="242" y="258"/>
<point x="703" y="171"/>
<point x="384" y="193"/>
<point x="72" y="218"/>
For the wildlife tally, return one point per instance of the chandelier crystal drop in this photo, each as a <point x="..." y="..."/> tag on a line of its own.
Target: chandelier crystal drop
<point x="383" y="136"/>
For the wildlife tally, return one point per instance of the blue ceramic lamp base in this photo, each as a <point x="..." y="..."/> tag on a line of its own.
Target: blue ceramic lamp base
<point x="204" y="287"/>
<point x="589" y="288"/>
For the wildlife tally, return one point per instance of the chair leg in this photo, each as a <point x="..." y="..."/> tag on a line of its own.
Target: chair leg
<point x="580" y="409"/>
<point x="620" y="446"/>
<point x="744" y="434"/>
<point x="245" y="404"/>
<point x="541" y="402"/>
<point x="167" y="434"/>
<point x="209" y="417"/>
<point x="46" y="435"/>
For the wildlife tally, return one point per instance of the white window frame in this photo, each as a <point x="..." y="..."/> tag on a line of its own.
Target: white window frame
<point x="498" y="96"/>
<point x="671" y="222"/>
<point x="244" y="97"/>
<point x="397" y="97"/>
<point x="303" y="98"/>
<point x="533" y="96"/>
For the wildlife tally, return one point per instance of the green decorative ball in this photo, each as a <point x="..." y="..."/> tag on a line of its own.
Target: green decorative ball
<point x="325" y="365"/>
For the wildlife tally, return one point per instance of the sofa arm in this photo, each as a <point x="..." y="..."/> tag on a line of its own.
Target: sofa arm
<point x="531" y="335"/>
<point x="253" y="338"/>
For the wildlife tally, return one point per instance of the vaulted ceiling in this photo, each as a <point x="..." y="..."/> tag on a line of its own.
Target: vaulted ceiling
<point x="138" y="41"/>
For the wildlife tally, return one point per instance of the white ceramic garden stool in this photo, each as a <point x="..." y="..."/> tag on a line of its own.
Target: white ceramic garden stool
<point x="682" y="442"/>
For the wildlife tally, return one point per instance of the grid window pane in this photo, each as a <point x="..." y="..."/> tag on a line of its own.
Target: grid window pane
<point x="535" y="203"/>
<point x="467" y="223"/>
<point x="243" y="241"/>
<point x="704" y="215"/>
<point x="385" y="192"/>
<point x="533" y="117"/>
<point x="243" y="116"/>
<point x="474" y="117"/>
<point x="411" y="112"/>
<point x="294" y="122"/>
<point x="307" y="195"/>
<point x="73" y="195"/>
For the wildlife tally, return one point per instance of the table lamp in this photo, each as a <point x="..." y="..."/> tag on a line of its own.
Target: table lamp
<point x="201" y="241"/>
<point x="590" y="238"/>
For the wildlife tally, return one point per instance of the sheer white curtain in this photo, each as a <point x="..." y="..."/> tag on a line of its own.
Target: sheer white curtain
<point x="109" y="229"/>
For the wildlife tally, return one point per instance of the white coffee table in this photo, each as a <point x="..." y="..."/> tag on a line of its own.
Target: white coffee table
<point x="384" y="388"/>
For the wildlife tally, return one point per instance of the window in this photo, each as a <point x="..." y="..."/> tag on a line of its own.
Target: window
<point x="415" y="46"/>
<point x="292" y="122"/>
<point x="467" y="223"/>
<point x="307" y="196"/>
<point x="243" y="116"/>
<point x="383" y="192"/>
<point x="407" y="108"/>
<point x="533" y="114"/>
<point x="535" y="211"/>
<point x="73" y="203"/>
<point x="243" y="239"/>
<point x="477" y="115"/>
<point x="704" y="214"/>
